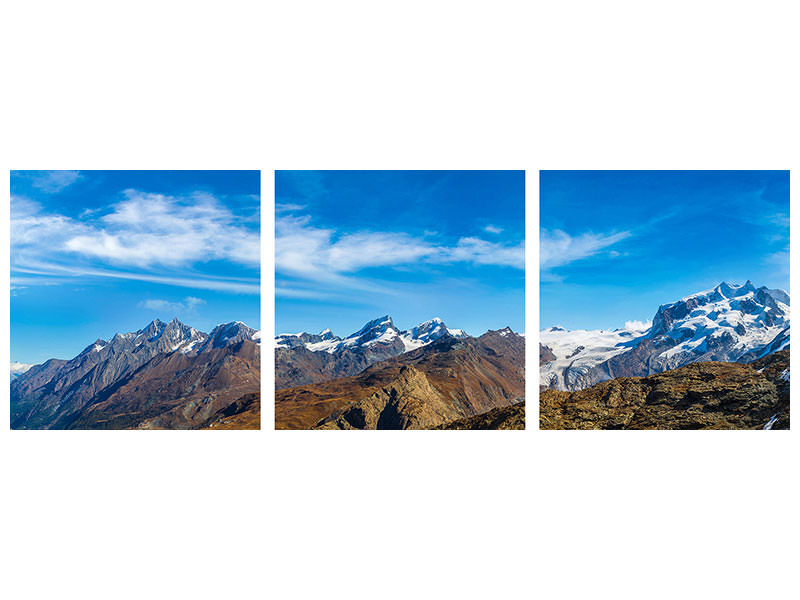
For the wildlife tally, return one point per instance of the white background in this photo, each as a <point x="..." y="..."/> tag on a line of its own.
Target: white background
<point x="414" y="84"/>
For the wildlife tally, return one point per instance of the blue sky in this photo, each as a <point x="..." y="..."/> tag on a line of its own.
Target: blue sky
<point x="354" y="245"/>
<point x="99" y="252"/>
<point x="614" y="245"/>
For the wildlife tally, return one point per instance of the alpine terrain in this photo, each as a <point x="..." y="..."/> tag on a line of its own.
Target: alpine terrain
<point x="381" y="377"/>
<point x="715" y="359"/>
<point x="165" y="376"/>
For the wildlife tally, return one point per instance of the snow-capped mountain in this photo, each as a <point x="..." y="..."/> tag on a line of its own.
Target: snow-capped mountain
<point x="55" y="392"/>
<point x="727" y="323"/>
<point x="378" y="333"/>
<point x="229" y="333"/>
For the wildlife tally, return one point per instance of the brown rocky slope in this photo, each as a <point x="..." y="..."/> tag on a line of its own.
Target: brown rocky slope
<point x="178" y="391"/>
<point x="506" y="417"/>
<point x="704" y="395"/>
<point x="446" y="380"/>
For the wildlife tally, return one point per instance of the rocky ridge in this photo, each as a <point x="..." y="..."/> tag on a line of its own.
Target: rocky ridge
<point x="304" y="358"/>
<point x="701" y="395"/>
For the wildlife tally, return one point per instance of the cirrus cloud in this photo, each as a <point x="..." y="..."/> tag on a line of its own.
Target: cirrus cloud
<point x="302" y="249"/>
<point x="557" y="248"/>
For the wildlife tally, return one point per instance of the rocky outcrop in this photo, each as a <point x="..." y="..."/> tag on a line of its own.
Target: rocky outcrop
<point x="507" y="417"/>
<point x="408" y="401"/>
<point x="704" y="395"/>
<point x="243" y="413"/>
<point x="545" y="355"/>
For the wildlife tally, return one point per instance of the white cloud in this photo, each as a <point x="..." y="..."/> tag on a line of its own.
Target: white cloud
<point x="481" y="252"/>
<point x="188" y="304"/>
<point x="151" y="229"/>
<point x="306" y="251"/>
<point x="638" y="325"/>
<point x="144" y="231"/>
<point x="493" y="229"/>
<point x="558" y="248"/>
<point x="52" y="182"/>
<point x="288" y="207"/>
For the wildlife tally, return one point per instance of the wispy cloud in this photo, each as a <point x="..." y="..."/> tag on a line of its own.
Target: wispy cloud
<point x="288" y="207"/>
<point x="326" y="256"/>
<point x="557" y="248"/>
<point x="187" y="305"/>
<point x="49" y="270"/>
<point x="493" y="229"/>
<point x="302" y="249"/>
<point x="51" y="182"/>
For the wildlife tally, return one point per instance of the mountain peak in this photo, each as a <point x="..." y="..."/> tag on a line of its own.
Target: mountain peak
<point x="228" y="333"/>
<point x="382" y="323"/>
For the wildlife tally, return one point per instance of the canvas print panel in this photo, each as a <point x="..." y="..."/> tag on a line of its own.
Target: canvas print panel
<point x="135" y="300"/>
<point x="400" y="300"/>
<point x="664" y="300"/>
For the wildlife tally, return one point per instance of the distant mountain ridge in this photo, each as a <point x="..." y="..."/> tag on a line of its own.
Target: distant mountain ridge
<point x="731" y="323"/>
<point x="380" y="331"/>
<point x="67" y="393"/>
<point x="302" y="358"/>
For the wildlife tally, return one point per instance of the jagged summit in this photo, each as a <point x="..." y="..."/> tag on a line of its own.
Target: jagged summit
<point x="228" y="333"/>
<point x="380" y="333"/>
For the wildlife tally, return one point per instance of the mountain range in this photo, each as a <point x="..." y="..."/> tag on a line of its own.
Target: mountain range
<point x="381" y="377"/>
<point x="729" y="323"/>
<point x="303" y="358"/>
<point x="164" y="376"/>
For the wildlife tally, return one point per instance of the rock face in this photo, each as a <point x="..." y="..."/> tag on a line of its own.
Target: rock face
<point x="443" y="381"/>
<point x="407" y="401"/>
<point x="703" y="395"/>
<point x="545" y="355"/>
<point x="167" y="375"/>
<point x="244" y="413"/>
<point x="302" y="358"/>
<point x="729" y="323"/>
<point x="507" y="417"/>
